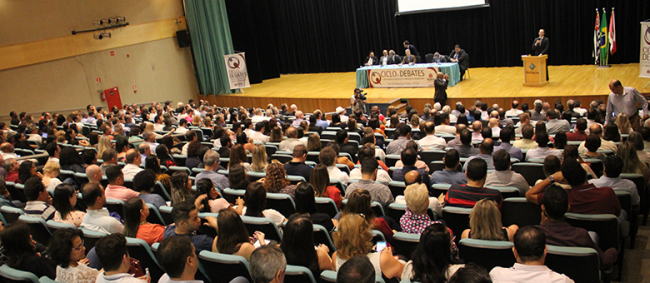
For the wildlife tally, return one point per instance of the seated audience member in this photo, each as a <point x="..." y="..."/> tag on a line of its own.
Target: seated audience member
<point x="409" y="157"/>
<point x="306" y="204"/>
<point x="259" y="158"/>
<point x="255" y="204"/>
<point x="237" y="178"/>
<point x="320" y="179"/>
<point x="114" y="257"/>
<point x="298" y="245"/>
<point x="345" y="146"/>
<point x="444" y="127"/>
<point x="592" y="143"/>
<point x="597" y="129"/>
<point x="67" y="251"/>
<point x="403" y="133"/>
<point x="485" y="152"/>
<point x="238" y="156"/>
<point x="54" y="151"/>
<point x="432" y="260"/>
<point x="542" y="149"/>
<point x="494" y="127"/>
<point x="182" y="188"/>
<point x="26" y="170"/>
<point x="554" y="124"/>
<point x="292" y="140"/>
<point x="637" y="140"/>
<point x="466" y="149"/>
<point x="64" y="201"/>
<point x="368" y="151"/>
<point x="50" y="173"/>
<point x="556" y="202"/>
<point x="503" y="176"/>
<point x="359" y="202"/>
<point x="613" y="165"/>
<point x="449" y="175"/>
<point x="379" y="192"/>
<point x="110" y="158"/>
<point x="297" y="166"/>
<point x="418" y="163"/>
<point x="5" y="197"/>
<point x="115" y="188"/>
<point x="187" y="222"/>
<point x="584" y="197"/>
<point x="505" y="136"/>
<point x="267" y="265"/>
<point x="456" y="141"/>
<point x="631" y="161"/>
<point x="485" y="223"/>
<point x="212" y="202"/>
<point x="431" y="141"/>
<point x="97" y="218"/>
<point x="38" y="200"/>
<point x="357" y="269"/>
<point x="20" y="253"/>
<point x="136" y="225"/>
<point x="344" y="160"/>
<point x="477" y="126"/>
<point x="11" y="167"/>
<point x="327" y="156"/>
<point x="415" y="219"/>
<point x="530" y="252"/>
<point x="526" y="142"/>
<point x="276" y="180"/>
<point x="579" y="133"/>
<point x="177" y="257"/>
<point x="470" y="273"/>
<point x="234" y="239"/>
<point x="353" y="238"/>
<point x="211" y="163"/>
<point x="514" y="111"/>
<point x="133" y="162"/>
<point x="144" y="183"/>
<point x="468" y="195"/>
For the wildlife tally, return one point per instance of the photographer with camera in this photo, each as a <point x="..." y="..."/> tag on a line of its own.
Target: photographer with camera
<point x="358" y="101"/>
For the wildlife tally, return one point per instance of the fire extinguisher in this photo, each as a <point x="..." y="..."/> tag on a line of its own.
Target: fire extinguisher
<point x="102" y="95"/>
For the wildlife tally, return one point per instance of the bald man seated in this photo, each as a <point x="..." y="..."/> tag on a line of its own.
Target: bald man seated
<point x="94" y="174"/>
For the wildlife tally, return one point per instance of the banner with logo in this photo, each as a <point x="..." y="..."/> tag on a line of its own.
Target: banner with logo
<point x="403" y="77"/>
<point x="236" y="69"/>
<point x="644" y="61"/>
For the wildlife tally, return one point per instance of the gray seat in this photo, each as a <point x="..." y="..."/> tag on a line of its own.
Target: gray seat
<point x="487" y="254"/>
<point x="222" y="268"/>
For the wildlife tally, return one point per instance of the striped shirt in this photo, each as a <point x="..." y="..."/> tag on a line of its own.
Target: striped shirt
<point x="39" y="209"/>
<point x="466" y="196"/>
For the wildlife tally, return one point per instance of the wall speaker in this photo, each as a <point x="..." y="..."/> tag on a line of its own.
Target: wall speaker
<point x="183" y="38"/>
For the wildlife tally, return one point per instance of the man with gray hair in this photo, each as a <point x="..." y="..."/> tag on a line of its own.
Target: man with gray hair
<point x="211" y="162"/>
<point x="299" y="118"/>
<point x="267" y="265"/>
<point x="133" y="161"/>
<point x="150" y="140"/>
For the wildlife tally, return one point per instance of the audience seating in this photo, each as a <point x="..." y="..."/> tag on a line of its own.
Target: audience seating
<point x="391" y="159"/>
<point x="397" y="210"/>
<point x="344" y="168"/>
<point x="11" y="275"/>
<point x="404" y="244"/>
<point x="11" y="214"/>
<point x="115" y="205"/>
<point x="397" y="188"/>
<point x="429" y="156"/>
<point x="90" y="238"/>
<point x="282" y="158"/>
<point x="531" y="171"/>
<point x="270" y="149"/>
<point x="264" y="225"/>
<point x="166" y="214"/>
<point x="313" y="156"/>
<point x="174" y="169"/>
<point x="81" y="179"/>
<point x="487" y="254"/>
<point x="179" y="159"/>
<point x="376" y="207"/>
<point x="625" y="199"/>
<point x="54" y="225"/>
<point x="222" y="268"/>
<point x="639" y="180"/>
<point x="140" y="250"/>
<point x="457" y="219"/>
<point x="298" y="274"/>
<point x="521" y="212"/>
<point x="330" y="276"/>
<point x="506" y="192"/>
<point x="37" y="228"/>
<point x="283" y="203"/>
<point x="437" y="189"/>
<point x="296" y="179"/>
<point x="337" y="183"/>
<point x="160" y="190"/>
<point x="20" y="190"/>
<point x="326" y="205"/>
<point x="154" y="215"/>
<point x="580" y="264"/>
<point x="231" y="195"/>
<point x="11" y="187"/>
<point x="322" y="236"/>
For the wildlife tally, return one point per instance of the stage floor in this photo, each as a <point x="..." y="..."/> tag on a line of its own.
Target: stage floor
<point x="583" y="80"/>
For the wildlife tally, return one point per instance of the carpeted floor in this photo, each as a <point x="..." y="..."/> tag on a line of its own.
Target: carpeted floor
<point x="636" y="265"/>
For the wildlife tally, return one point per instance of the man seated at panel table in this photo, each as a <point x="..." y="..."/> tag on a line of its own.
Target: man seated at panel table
<point x="371" y="60"/>
<point x="408" y="58"/>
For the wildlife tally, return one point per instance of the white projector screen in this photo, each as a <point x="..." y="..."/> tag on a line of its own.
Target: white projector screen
<point x="419" y="6"/>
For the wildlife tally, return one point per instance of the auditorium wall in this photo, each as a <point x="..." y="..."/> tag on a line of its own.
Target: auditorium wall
<point x="158" y="69"/>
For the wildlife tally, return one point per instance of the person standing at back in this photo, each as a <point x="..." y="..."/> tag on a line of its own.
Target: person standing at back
<point x="624" y="100"/>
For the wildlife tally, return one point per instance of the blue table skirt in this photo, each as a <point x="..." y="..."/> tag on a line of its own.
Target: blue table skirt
<point x="448" y="68"/>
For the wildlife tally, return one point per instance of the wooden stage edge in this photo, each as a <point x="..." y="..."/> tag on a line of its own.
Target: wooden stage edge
<point x="326" y="91"/>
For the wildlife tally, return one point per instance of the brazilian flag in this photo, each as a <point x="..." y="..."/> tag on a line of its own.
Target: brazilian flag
<point x="604" y="44"/>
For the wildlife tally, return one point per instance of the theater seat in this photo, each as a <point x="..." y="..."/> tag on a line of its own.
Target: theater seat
<point x="531" y="171"/>
<point x="330" y="276"/>
<point x="9" y="274"/>
<point x="222" y="268"/>
<point x="298" y="274"/>
<point x="11" y="214"/>
<point x="487" y="254"/>
<point x="264" y="225"/>
<point x="140" y="250"/>
<point x="579" y="264"/>
<point x="283" y="203"/>
<point x="457" y="219"/>
<point x="37" y="228"/>
<point x="322" y="236"/>
<point x="404" y="243"/>
<point x="326" y="205"/>
<point x="521" y="212"/>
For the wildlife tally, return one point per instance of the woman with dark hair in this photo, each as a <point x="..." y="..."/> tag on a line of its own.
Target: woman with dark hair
<point x="255" y="204"/>
<point x="612" y="133"/>
<point x="163" y="156"/>
<point x="134" y="137"/>
<point x="181" y="188"/>
<point x="60" y="120"/>
<point x="631" y="162"/>
<point x="64" y="201"/>
<point x="136" y="225"/>
<point x="20" y="250"/>
<point x="213" y="201"/>
<point x="560" y="140"/>
<point x="93" y="139"/>
<point x="276" y="135"/>
<point x="237" y="177"/>
<point x="233" y="237"/>
<point x="170" y="142"/>
<point x="246" y="142"/>
<point x="153" y="163"/>
<point x="340" y="159"/>
<point x="298" y="245"/>
<point x="306" y="203"/>
<point x="67" y="252"/>
<point x="359" y="202"/>
<point x="193" y="153"/>
<point x="238" y="156"/>
<point x="320" y="180"/>
<point x="27" y="170"/>
<point x="462" y="119"/>
<point x="276" y="180"/>
<point x="70" y="160"/>
<point x="637" y="140"/>
<point x="571" y="152"/>
<point x="121" y="146"/>
<point x="432" y="260"/>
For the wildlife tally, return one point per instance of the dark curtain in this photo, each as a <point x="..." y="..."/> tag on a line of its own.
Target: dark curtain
<point x="310" y="36"/>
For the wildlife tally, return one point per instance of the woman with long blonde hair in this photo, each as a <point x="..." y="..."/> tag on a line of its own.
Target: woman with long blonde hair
<point x="485" y="223"/>
<point x="103" y="145"/>
<point x="623" y="123"/>
<point x="313" y="142"/>
<point x="631" y="162"/>
<point x="415" y="121"/>
<point x="259" y="158"/>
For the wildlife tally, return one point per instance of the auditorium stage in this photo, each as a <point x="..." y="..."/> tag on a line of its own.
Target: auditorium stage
<point x="501" y="85"/>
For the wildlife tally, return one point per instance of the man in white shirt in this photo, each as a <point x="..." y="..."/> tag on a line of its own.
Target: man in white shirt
<point x="291" y="141"/>
<point x="150" y="140"/>
<point x="514" y="111"/>
<point x="613" y="165"/>
<point x="431" y="142"/>
<point x="258" y="134"/>
<point x="477" y="126"/>
<point x="503" y="176"/>
<point x="577" y="108"/>
<point x="259" y="116"/>
<point x="158" y="124"/>
<point x="494" y="126"/>
<point x="369" y="152"/>
<point x="182" y="127"/>
<point x="542" y="149"/>
<point x="327" y="156"/>
<point x="97" y="218"/>
<point x="114" y="257"/>
<point x="445" y="128"/>
<point x="8" y="151"/>
<point x="133" y="160"/>
<point x="530" y="251"/>
<point x="190" y="136"/>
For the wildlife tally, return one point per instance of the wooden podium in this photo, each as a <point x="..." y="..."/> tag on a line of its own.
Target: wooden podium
<point x="534" y="70"/>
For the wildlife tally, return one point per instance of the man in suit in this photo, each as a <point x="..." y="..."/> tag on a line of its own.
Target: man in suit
<point x="408" y="58"/>
<point x="371" y="59"/>
<point x="437" y="58"/>
<point x="394" y="57"/>
<point x="385" y="59"/>
<point x="540" y="47"/>
<point x="414" y="51"/>
<point x="460" y="56"/>
<point x="441" y="88"/>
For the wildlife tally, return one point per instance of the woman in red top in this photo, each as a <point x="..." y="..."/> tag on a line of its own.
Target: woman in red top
<point x="359" y="203"/>
<point x="162" y="153"/>
<point x="320" y="179"/>
<point x="136" y="225"/>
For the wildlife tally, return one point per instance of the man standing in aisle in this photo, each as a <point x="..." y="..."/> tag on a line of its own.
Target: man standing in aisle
<point x="460" y="56"/>
<point x="441" y="88"/>
<point x="624" y="100"/>
<point x="540" y="47"/>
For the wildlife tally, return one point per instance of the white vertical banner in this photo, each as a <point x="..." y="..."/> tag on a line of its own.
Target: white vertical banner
<point x="237" y="72"/>
<point x="644" y="61"/>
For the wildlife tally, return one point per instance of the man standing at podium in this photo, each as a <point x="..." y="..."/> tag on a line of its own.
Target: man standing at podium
<point x="540" y="47"/>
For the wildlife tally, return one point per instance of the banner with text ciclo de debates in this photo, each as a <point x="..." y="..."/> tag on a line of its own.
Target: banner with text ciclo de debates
<point x="407" y="77"/>
<point x="237" y="72"/>
<point x="644" y="61"/>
